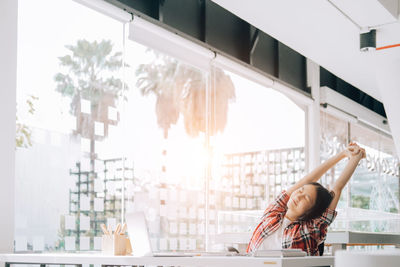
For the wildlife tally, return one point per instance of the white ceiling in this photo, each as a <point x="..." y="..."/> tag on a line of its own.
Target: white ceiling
<point x="328" y="33"/>
<point x="319" y="31"/>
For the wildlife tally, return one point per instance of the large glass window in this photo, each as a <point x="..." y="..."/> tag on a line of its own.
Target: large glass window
<point x="164" y="134"/>
<point x="69" y="91"/>
<point x="370" y="200"/>
<point x="334" y="138"/>
<point x="375" y="185"/>
<point x="107" y="126"/>
<point x="257" y="153"/>
<point x="380" y="172"/>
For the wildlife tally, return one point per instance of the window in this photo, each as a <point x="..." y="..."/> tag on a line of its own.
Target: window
<point x="69" y="92"/>
<point x="334" y="138"/>
<point x="373" y="191"/>
<point x="107" y="126"/>
<point x="164" y="133"/>
<point x="258" y="153"/>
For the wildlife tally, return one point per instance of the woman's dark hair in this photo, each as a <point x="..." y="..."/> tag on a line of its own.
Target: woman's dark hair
<point x="324" y="198"/>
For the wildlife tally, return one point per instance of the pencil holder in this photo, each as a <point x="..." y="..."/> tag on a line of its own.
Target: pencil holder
<point x="116" y="245"/>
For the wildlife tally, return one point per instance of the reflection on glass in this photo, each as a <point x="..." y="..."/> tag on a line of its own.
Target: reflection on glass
<point x="334" y="137"/>
<point x="94" y="144"/>
<point x="89" y="79"/>
<point x="69" y="77"/>
<point x="373" y="191"/>
<point x="166" y="115"/>
<point x="259" y="153"/>
<point x="380" y="171"/>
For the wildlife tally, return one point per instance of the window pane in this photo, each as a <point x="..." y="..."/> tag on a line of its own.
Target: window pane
<point x="375" y="185"/>
<point x="164" y="133"/>
<point x="372" y="195"/>
<point x="257" y="153"/>
<point x="69" y="82"/>
<point x="334" y="138"/>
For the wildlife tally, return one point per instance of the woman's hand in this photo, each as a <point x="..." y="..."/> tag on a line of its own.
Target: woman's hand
<point x="360" y="155"/>
<point x="354" y="151"/>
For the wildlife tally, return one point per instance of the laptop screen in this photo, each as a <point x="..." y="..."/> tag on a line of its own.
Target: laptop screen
<point x="138" y="234"/>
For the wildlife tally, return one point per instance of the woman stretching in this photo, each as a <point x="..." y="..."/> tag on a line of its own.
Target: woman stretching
<point x="300" y="216"/>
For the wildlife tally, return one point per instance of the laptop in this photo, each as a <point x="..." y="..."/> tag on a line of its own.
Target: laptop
<point x="140" y="240"/>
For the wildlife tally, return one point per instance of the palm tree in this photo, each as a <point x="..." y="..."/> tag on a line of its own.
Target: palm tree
<point x="90" y="74"/>
<point x="91" y="67"/>
<point x="181" y="89"/>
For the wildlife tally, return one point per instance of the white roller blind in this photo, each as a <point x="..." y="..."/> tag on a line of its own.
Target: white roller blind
<point x="232" y="66"/>
<point x="170" y="43"/>
<point x="350" y="109"/>
<point x="244" y="71"/>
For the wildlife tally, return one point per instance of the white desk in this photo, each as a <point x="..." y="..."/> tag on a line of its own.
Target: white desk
<point x="386" y="258"/>
<point x="333" y="237"/>
<point x="344" y="238"/>
<point x="338" y="239"/>
<point x="230" y="261"/>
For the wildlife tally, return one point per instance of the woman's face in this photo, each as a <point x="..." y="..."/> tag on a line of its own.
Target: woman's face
<point x="302" y="200"/>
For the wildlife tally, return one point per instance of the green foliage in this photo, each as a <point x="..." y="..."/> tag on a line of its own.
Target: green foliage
<point x="359" y="201"/>
<point x="23" y="135"/>
<point x="394" y="210"/>
<point x="362" y="226"/>
<point x="90" y="72"/>
<point x="23" y="132"/>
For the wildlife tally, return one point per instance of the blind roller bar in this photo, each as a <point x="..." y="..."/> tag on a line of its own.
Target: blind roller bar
<point x="156" y="37"/>
<point x="151" y="35"/>
<point x="349" y="106"/>
<point x="237" y="68"/>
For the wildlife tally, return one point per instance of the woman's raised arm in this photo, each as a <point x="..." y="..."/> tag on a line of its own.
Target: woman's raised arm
<point x="357" y="155"/>
<point x="316" y="174"/>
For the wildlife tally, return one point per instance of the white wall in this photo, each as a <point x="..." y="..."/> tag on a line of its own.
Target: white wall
<point x="8" y="75"/>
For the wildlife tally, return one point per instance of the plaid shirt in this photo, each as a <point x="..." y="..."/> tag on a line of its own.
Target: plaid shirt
<point x="306" y="235"/>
